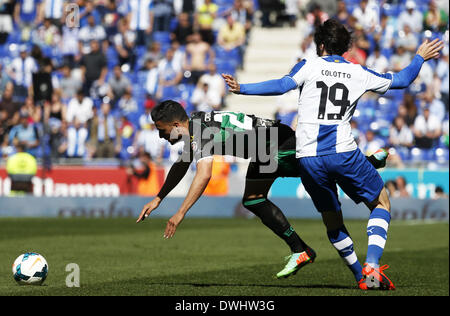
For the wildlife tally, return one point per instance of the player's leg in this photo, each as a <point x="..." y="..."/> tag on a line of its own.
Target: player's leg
<point x="362" y="183"/>
<point x="255" y="200"/>
<point x="323" y="191"/>
<point x="377" y="228"/>
<point x="341" y="240"/>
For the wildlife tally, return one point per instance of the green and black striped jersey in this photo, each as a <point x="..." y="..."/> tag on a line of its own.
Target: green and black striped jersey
<point x="237" y="134"/>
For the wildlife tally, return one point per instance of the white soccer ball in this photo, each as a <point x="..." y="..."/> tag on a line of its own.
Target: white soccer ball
<point x="30" y="268"/>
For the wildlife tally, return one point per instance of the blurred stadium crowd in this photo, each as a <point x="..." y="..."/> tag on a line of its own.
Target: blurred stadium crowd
<point x="79" y="78"/>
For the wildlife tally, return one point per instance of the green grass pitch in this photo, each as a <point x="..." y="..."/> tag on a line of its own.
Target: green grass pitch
<point x="213" y="257"/>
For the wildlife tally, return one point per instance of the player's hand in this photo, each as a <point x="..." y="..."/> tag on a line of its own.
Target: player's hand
<point x="172" y="225"/>
<point x="148" y="208"/>
<point x="429" y="49"/>
<point x="232" y="83"/>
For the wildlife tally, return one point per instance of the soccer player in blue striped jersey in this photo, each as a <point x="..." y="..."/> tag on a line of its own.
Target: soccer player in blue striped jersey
<point x="330" y="87"/>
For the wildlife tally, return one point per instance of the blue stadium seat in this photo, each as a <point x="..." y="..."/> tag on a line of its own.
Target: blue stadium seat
<point x="162" y="37"/>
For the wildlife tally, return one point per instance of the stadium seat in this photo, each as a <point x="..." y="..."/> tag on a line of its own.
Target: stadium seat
<point x="162" y="37"/>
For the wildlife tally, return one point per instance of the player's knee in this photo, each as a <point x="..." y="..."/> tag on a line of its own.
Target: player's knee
<point x="382" y="201"/>
<point x="253" y="203"/>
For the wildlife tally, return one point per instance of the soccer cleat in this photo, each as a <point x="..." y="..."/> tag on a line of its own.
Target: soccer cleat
<point x="297" y="261"/>
<point x="362" y="284"/>
<point x="376" y="279"/>
<point x="380" y="156"/>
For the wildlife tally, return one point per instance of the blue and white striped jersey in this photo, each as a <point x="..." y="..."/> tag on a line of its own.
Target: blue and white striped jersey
<point x="330" y="87"/>
<point x="140" y="14"/>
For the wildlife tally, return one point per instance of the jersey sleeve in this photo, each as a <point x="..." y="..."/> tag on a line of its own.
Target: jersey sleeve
<point x="298" y="73"/>
<point x="376" y="82"/>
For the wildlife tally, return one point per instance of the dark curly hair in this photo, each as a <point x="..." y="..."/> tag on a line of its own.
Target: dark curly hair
<point x="169" y="111"/>
<point x="334" y="37"/>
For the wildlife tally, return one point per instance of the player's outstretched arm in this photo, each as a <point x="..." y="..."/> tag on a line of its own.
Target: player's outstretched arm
<point x="427" y="50"/>
<point x="198" y="186"/>
<point x="175" y="175"/>
<point x="270" y="87"/>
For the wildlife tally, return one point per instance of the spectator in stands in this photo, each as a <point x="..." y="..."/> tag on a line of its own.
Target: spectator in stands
<point x="125" y="44"/>
<point x="436" y="106"/>
<point x="21" y="168"/>
<point x="231" y="35"/>
<point x="69" y="84"/>
<point x="9" y="106"/>
<point x="127" y="132"/>
<point x="356" y="55"/>
<point x="218" y="185"/>
<point x="47" y="34"/>
<point x="111" y="18"/>
<point x="80" y="108"/>
<point x="439" y="193"/>
<point x="127" y="104"/>
<point x="170" y="75"/>
<point x="204" y="19"/>
<point x="371" y="143"/>
<point x="34" y="112"/>
<point x="243" y="13"/>
<point x="76" y="142"/>
<point x="366" y="16"/>
<point x="105" y="137"/>
<point x="163" y="12"/>
<point x="408" y="109"/>
<point x="187" y="6"/>
<point x="4" y="129"/>
<point x="427" y="129"/>
<point x="141" y="18"/>
<point x="205" y="99"/>
<point x="69" y="45"/>
<point x="316" y="16"/>
<point x="377" y="61"/>
<point x="148" y="180"/>
<point x="6" y="21"/>
<point x="93" y="67"/>
<point x="384" y="33"/>
<point x="342" y="14"/>
<point x="148" y="139"/>
<point x="54" y="10"/>
<point x="407" y="39"/>
<point x="55" y="110"/>
<point x="57" y="131"/>
<point x="400" y="59"/>
<point x="154" y="52"/>
<point x="411" y="17"/>
<point x="442" y="74"/>
<point x="401" y="187"/>
<point x="357" y="135"/>
<point x="21" y="71"/>
<point x="118" y="84"/>
<point x="435" y="19"/>
<point x="391" y="187"/>
<point x="400" y="135"/>
<point x="307" y="48"/>
<point x="25" y="133"/>
<point x="90" y="32"/>
<point x="197" y="52"/>
<point x="214" y="80"/>
<point x="26" y="16"/>
<point x="184" y="29"/>
<point x="267" y="8"/>
<point x="4" y="80"/>
<point x="151" y="82"/>
<point x="179" y="54"/>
